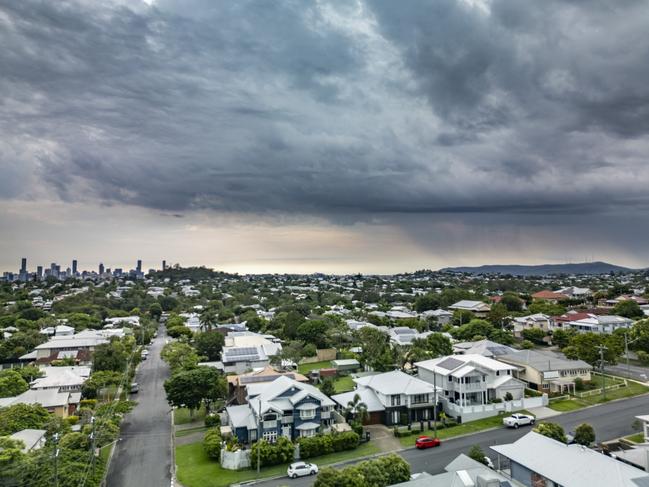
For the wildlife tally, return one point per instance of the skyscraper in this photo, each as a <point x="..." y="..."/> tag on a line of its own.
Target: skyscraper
<point x="74" y="267"/>
<point x="101" y="269"/>
<point x="139" y="266"/>
<point x="164" y="265"/>
<point x="23" y="265"/>
<point x="39" y="272"/>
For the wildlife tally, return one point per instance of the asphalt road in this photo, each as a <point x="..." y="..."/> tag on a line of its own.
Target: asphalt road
<point x="610" y="421"/>
<point x="142" y="456"/>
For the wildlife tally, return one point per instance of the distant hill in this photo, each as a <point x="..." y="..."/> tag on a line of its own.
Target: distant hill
<point x="542" y="270"/>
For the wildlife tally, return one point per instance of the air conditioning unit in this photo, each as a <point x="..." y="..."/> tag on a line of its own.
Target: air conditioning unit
<point x="487" y="481"/>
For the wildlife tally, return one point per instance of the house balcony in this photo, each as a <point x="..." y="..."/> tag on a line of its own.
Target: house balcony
<point x="472" y="387"/>
<point x="325" y="415"/>
<point x="287" y="419"/>
<point x="270" y="425"/>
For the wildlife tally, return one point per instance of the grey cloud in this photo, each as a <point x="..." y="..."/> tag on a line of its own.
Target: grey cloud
<point x="340" y="109"/>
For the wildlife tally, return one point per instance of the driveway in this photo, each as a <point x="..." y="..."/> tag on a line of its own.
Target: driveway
<point x="383" y="437"/>
<point x="142" y="456"/>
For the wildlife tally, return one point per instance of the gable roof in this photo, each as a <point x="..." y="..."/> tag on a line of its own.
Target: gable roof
<point x="395" y="382"/>
<point x="543" y="362"/>
<point x="572" y="465"/>
<point x="470" y="305"/>
<point x="450" y="365"/>
<point x="270" y="399"/>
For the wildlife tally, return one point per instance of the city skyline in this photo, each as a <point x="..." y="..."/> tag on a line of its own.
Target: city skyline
<point x="325" y="137"/>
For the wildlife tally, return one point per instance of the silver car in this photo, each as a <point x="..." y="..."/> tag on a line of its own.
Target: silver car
<point x="301" y="469"/>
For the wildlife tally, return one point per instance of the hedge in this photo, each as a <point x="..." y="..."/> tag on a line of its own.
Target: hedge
<point x="212" y="443"/>
<point x="272" y="454"/>
<point x="315" y="446"/>
<point x="381" y="472"/>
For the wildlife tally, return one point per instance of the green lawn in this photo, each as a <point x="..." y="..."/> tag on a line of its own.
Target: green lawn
<point x="344" y="384"/>
<point x="196" y="469"/>
<point x="637" y="438"/>
<point x="190" y="431"/>
<point x="565" y="405"/>
<point x="460" y="429"/>
<point x="181" y="415"/>
<point x="632" y="389"/>
<point x="104" y="453"/>
<point x="305" y="369"/>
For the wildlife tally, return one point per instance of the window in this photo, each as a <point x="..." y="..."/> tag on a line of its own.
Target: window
<point x="270" y="436"/>
<point x="307" y="413"/>
<point x="419" y="398"/>
<point x="395" y="400"/>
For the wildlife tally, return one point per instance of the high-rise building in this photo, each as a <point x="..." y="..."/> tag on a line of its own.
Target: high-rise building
<point x="74" y="267"/>
<point x="101" y="269"/>
<point x="139" y="266"/>
<point x="23" y="265"/>
<point x="39" y="272"/>
<point x="164" y="265"/>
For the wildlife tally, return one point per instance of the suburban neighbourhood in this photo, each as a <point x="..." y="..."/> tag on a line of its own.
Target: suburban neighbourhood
<point x="235" y="377"/>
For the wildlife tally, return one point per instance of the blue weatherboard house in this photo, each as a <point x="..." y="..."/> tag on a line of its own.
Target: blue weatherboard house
<point x="284" y="407"/>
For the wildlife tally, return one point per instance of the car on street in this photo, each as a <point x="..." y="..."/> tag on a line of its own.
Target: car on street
<point x="517" y="420"/>
<point x="301" y="469"/>
<point x="134" y="387"/>
<point x="427" y="442"/>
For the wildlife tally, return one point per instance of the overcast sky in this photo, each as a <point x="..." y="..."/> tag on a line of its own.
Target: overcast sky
<point x="334" y="136"/>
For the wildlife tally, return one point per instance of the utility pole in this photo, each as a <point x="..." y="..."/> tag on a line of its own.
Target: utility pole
<point x="92" y="446"/>
<point x="55" y="437"/>
<point x="259" y="438"/>
<point x="601" y="349"/>
<point x="435" y="405"/>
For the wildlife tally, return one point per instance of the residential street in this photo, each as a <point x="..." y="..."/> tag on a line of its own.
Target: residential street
<point x="610" y="421"/>
<point x="142" y="457"/>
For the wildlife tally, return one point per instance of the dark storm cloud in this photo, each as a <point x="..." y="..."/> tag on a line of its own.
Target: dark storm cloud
<point x="333" y="109"/>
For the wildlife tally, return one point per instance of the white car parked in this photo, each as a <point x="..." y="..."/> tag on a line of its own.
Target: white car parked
<point x="516" y="420"/>
<point x="301" y="469"/>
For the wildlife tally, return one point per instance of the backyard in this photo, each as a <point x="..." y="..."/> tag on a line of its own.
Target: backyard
<point x="305" y="369"/>
<point x="196" y="469"/>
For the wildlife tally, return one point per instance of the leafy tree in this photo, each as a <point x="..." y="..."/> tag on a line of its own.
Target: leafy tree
<point x="561" y="337"/>
<point x="377" y="352"/>
<point x="640" y="335"/>
<point x="546" y="308"/>
<point x="327" y="387"/>
<point x="476" y="453"/>
<point x="585" y="434"/>
<point x="12" y="383"/>
<point x="474" y="327"/>
<point x="11" y="461"/>
<point x="380" y="472"/>
<point x="628" y="309"/>
<point x="552" y="430"/>
<point x="209" y="318"/>
<point x="110" y="356"/>
<point x="527" y="345"/>
<point x="279" y="452"/>
<point x="313" y="331"/>
<point x="100" y="380"/>
<point x="209" y="344"/>
<point x="512" y="302"/>
<point x="168" y="303"/>
<point x="256" y="324"/>
<point x="179" y="356"/>
<point x="30" y="373"/>
<point x="583" y="346"/>
<point x="22" y="416"/>
<point x="535" y="335"/>
<point x="179" y="331"/>
<point x="501" y="336"/>
<point x="190" y="388"/>
<point x="461" y="317"/>
<point x="498" y="314"/>
<point x="426" y="302"/>
<point x="82" y="321"/>
<point x="155" y="311"/>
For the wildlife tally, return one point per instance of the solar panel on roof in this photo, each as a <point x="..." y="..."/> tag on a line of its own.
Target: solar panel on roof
<point x="450" y="363"/>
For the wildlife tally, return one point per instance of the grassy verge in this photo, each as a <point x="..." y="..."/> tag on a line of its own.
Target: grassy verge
<point x="304" y="369"/>
<point x="196" y="469"/>
<point x="631" y="390"/>
<point x="181" y="415"/>
<point x="565" y="405"/>
<point x="104" y="453"/>
<point x="460" y="429"/>
<point x="637" y="438"/>
<point x="344" y="384"/>
<point x="190" y="431"/>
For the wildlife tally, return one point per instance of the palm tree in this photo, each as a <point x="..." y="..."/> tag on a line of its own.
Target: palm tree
<point x="208" y="319"/>
<point x="357" y="409"/>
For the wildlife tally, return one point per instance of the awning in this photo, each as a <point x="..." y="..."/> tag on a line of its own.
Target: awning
<point x="307" y="426"/>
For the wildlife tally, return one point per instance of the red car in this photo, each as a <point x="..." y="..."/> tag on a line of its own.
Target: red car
<point x="427" y="442"/>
